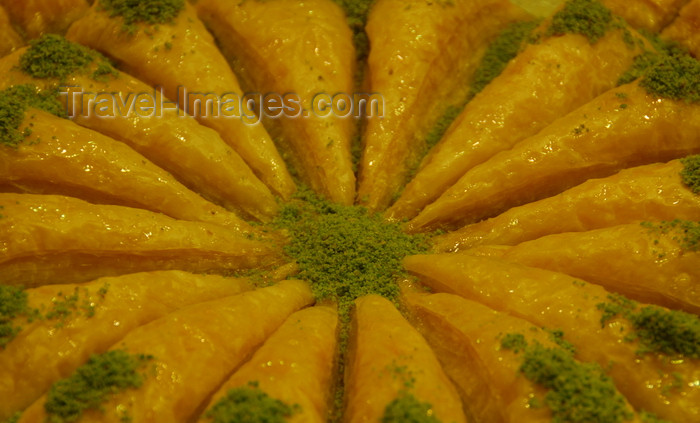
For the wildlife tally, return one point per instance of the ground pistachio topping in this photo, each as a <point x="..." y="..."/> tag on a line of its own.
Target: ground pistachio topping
<point x="690" y="175"/>
<point x="93" y="383"/>
<point x="685" y="232"/>
<point x="668" y="71"/>
<point x="501" y="50"/>
<point x="52" y="56"/>
<point x="557" y="336"/>
<point x="657" y="329"/>
<point x="577" y="392"/>
<point x="14" y="102"/>
<point x="442" y="125"/>
<point x="151" y="12"/>
<point x="13" y="303"/>
<point x="11" y="117"/>
<point x="356" y="12"/>
<point x="250" y="404"/>
<point x="640" y="65"/>
<point x="589" y="18"/>
<point x="406" y="408"/>
<point x="674" y="76"/>
<point x="345" y="252"/>
<point x="514" y="341"/>
<point x="65" y="306"/>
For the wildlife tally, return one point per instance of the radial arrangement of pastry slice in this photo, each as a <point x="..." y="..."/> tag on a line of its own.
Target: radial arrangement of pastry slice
<point x="361" y="211"/>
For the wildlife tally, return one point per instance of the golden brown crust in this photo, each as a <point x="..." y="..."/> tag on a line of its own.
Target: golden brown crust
<point x="195" y="63"/>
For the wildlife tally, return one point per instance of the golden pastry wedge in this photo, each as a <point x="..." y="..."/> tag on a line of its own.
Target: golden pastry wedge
<point x="50" y="239"/>
<point x="650" y="262"/>
<point x="193" y="350"/>
<point x="650" y="192"/>
<point x="37" y="17"/>
<point x="177" y="53"/>
<point x="9" y="38"/>
<point x="472" y="342"/>
<point x="194" y="154"/>
<point x="652" y="373"/>
<point x="685" y="29"/>
<point x="621" y="128"/>
<point x="509" y="109"/>
<point x="294" y="365"/>
<point x="60" y="157"/>
<point x="418" y="78"/>
<point x="387" y="359"/>
<point x="306" y="51"/>
<point x="78" y="320"/>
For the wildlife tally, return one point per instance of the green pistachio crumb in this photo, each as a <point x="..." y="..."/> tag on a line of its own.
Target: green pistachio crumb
<point x="629" y="39"/>
<point x="589" y="18"/>
<point x="535" y="402"/>
<point x="65" y="306"/>
<point x="669" y="71"/>
<point x="663" y="45"/>
<point x="11" y="117"/>
<point x="356" y="12"/>
<point x="685" y="232"/>
<point x="639" y="67"/>
<point x="356" y="151"/>
<point x="52" y="56"/>
<point x="93" y="383"/>
<point x="501" y="50"/>
<point x="436" y="133"/>
<point x="151" y="12"/>
<point x="657" y="330"/>
<point x="14" y="102"/>
<point x="103" y="290"/>
<point x="343" y="251"/>
<point x="580" y="129"/>
<point x="690" y="175"/>
<point x="249" y="404"/>
<point x="13" y="303"/>
<point x="577" y="392"/>
<point x="618" y="305"/>
<point x="514" y="341"/>
<point x="668" y="332"/>
<point x="403" y="374"/>
<point x="557" y="336"/>
<point x="406" y="408"/>
<point x="674" y="76"/>
<point x="46" y="100"/>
